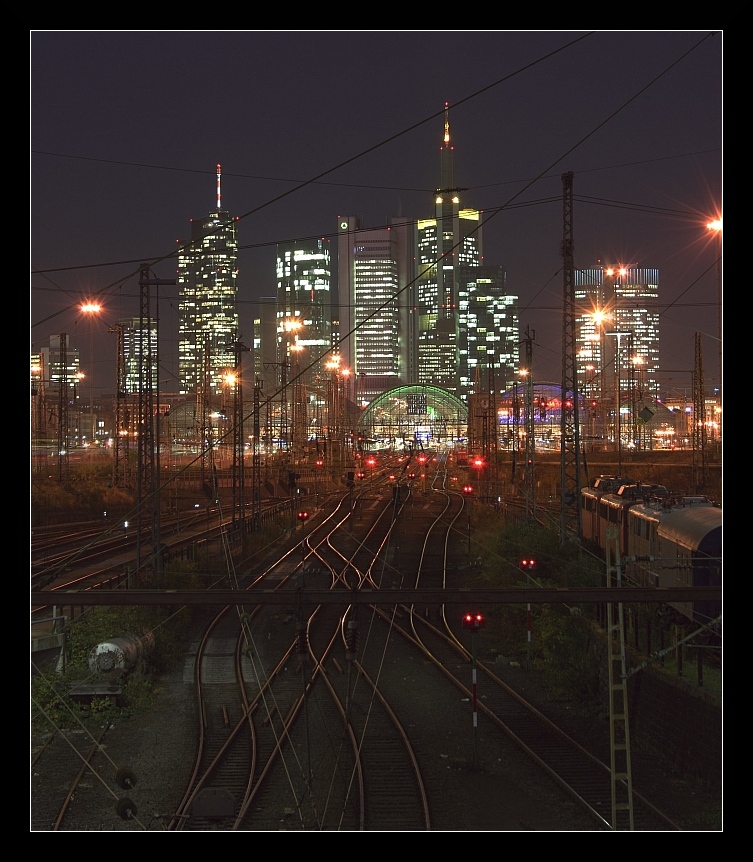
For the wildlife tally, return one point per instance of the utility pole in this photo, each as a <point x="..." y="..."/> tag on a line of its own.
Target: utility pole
<point x="256" y="457"/>
<point x="700" y="464"/>
<point x="529" y="474"/>
<point x="121" y="468"/>
<point x="63" y="438"/>
<point x="569" y="413"/>
<point x="239" y="464"/>
<point x="205" y="423"/>
<point x="148" y="483"/>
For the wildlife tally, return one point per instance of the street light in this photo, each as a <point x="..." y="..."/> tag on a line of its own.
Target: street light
<point x="91" y="309"/>
<point x="291" y="326"/>
<point x="79" y="382"/>
<point x="618" y="335"/>
<point x="715" y="226"/>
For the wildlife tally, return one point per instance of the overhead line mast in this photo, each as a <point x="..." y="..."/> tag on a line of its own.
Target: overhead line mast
<point x="569" y="422"/>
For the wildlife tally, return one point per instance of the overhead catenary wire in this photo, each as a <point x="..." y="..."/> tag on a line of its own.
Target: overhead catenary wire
<point x="269" y="399"/>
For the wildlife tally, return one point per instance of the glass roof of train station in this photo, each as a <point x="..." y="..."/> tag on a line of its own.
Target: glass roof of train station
<point x="415" y="412"/>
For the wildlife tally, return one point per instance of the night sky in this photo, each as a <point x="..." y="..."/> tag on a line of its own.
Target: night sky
<point x="126" y="129"/>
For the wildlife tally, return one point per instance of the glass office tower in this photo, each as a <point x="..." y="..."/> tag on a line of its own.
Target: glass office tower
<point x="207" y="284"/>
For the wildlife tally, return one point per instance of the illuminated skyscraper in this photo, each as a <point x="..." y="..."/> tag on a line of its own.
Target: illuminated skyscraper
<point x="617" y="332"/>
<point x="304" y="306"/>
<point x="445" y="243"/>
<point x="59" y="361"/>
<point x="137" y="344"/>
<point x="375" y="267"/>
<point x="207" y="283"/>
<point x="415" y="304"/>
<point x="489" y="330"/>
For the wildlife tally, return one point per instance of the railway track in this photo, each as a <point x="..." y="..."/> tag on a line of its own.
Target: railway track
<point x="303" y="727"/>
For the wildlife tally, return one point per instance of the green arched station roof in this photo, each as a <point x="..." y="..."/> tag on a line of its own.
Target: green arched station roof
<point x="415" y="412"/>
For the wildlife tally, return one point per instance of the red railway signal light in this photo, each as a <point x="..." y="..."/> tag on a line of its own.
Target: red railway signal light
<point x="474" y="622"/>
<point x="528" y="565"/>
<point x="303" y="517"/>
<point x="467" y="489"/>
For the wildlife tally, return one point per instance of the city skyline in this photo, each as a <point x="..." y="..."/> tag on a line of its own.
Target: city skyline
<point x="625" y="212"/>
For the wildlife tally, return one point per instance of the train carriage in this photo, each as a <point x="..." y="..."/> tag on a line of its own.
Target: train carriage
<point x="690" y="554"/>
<point x="590" y="499"/>
<point x="660" y="538"/>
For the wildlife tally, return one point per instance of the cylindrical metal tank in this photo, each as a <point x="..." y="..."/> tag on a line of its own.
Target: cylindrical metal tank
<point x="119" y="654"/>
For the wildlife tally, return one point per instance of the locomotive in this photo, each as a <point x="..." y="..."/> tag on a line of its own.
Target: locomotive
<point x="661" y="538"/>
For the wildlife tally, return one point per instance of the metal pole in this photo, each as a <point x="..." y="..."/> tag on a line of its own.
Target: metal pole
<point x="475" y="700"/>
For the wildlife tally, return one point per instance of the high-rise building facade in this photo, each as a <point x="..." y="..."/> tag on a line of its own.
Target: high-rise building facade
<point x="489" y="331"/>
<point x="139" y="348"/>
<point x="617" y="333"/>
<point x="58" y="362"/>
<point x="375" y="268"/>
<point x="208" y="286"/>
<point x="304" y="308"/>
<point x="445" y="243"/>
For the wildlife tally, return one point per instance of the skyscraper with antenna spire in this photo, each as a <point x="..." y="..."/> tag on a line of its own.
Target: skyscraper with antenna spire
<point x="207" y="284"/>
<point x="445" y="243"/>
<point x="415" y="303"/>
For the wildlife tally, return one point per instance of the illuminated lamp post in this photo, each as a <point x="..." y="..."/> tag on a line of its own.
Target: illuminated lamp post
<point x="715" y="226"/>
<point x="600" y="319"/>
<point x="291" y="328"/>
<point x="617" y="335"/>
<point x="91" y="309"/>
<point x="637" y="398"/>
<point x="78" y="383"/>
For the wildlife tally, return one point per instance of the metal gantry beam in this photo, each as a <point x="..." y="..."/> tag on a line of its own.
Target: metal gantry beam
<point x="465" y="597"/>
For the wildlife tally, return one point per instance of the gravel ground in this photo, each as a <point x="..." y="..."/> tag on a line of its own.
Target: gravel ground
<point x="502" y="791"/>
